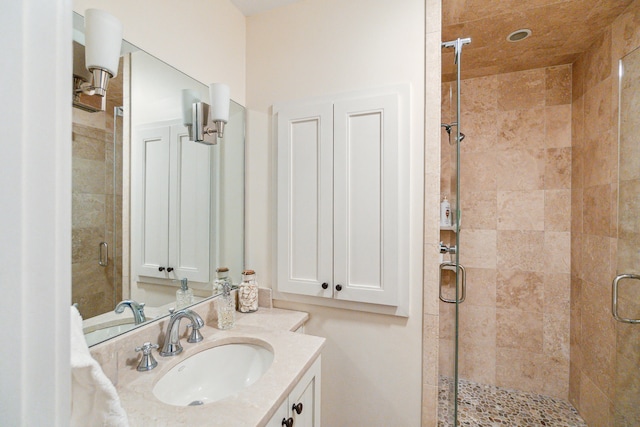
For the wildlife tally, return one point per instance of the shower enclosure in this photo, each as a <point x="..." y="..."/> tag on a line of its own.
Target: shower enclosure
<point x="452" y="274"/>
<point x="97" y="209"/>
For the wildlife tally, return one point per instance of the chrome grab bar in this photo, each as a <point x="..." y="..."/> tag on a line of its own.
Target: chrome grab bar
<point x="451" y="266"/>
<point x="103" y="256"/>
<point x="614" y="297"/>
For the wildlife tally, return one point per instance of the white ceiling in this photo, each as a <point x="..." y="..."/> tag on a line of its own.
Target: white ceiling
<point x="253" y="7"/>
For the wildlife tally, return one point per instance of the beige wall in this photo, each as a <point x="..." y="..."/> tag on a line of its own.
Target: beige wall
<point x="515" y="241"/>
<point x="593" y="383"/>
<point x="202" y="38"/>
<point x="431" y="260"/>
<point x="371" y="363"/>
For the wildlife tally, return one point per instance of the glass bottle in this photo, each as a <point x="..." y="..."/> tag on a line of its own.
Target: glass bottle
<point x="222" y="278"/>
<point x="184" y="295"/>
<point x="226" y="307"/>
<point x="248" y="292"/>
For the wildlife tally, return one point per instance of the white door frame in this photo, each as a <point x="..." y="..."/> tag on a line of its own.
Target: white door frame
<point x="35" y="213"/>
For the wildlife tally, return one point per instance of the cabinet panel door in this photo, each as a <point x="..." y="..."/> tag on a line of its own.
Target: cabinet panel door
<point x="281" y="414"/>
<point x="190" y="210"/>
<point x="305" y="207"/>
<point x="307" y="394"/>
<point x="366" y="199"/>
<point x="153" y="146"/>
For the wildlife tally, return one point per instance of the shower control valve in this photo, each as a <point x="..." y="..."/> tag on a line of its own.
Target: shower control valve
<point x="444" y="249"/>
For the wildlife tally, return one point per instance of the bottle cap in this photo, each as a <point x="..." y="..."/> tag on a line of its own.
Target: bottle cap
<point x="248" y="272"/>
<point x="222" y="270"/>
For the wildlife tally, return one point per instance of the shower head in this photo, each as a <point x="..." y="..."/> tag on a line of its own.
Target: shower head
<point x="448" y="127"/>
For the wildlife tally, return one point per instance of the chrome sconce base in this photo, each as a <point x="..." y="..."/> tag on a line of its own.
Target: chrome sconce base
<point x="100" y="80"/>
<point x="97" y="89"/>
<point x="199" y="130"/>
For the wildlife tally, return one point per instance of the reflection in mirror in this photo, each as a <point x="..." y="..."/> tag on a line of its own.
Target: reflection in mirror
<point x="149" y="211"/>
<point x="627" y="382"/>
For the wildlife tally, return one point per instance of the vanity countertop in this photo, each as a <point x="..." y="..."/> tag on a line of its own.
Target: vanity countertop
<point x="293" y="352"/>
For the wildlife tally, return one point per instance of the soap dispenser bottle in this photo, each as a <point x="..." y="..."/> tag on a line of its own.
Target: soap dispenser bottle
<point x="226" y="307"/>
<point x="222" y="278"/>
<point x="184" y="295"/>
<point x="445" y="213"/>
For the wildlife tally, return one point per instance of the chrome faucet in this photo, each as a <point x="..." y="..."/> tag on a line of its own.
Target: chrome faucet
<point x="136" y="308"/>
<point x="172" y="345"/>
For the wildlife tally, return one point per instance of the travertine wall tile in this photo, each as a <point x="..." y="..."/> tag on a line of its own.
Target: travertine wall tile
<point x="557" y="173"/>
<point x="520" y="250"/>
<point x="557" y="120"/>
<point x="480" y="210"/>
<point x="557" y="210"/>
<point x="481" y="287"/>
<point x="479" y="248"/>
<point x="521" y="210"/>
<point x="521" y="90"/>
<point x="558" y="85"/>
<point x="521" y="128"/>
<point x="520" y="169"/>
<point x="516" y="221"/>
<point x="521" y="290"/>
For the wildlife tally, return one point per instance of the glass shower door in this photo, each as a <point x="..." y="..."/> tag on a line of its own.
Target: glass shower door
<point x="626" y="286"/>
<point x="452" y="274"/>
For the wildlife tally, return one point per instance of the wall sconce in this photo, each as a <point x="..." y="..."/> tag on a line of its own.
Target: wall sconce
<point x="103" y="40"/>
<point x="196" y="114"/>
<point x="189" y="99"/>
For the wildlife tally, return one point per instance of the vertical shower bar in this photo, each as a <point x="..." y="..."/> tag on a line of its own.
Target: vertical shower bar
<point x="457" y="46"/>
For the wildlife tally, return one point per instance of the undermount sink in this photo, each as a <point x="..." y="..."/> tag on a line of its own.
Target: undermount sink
<point x="213" y="374"/>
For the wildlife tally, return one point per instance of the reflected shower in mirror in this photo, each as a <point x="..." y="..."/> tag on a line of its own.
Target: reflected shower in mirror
<point x="627" y="301"/>
<point x="149" y="211"/>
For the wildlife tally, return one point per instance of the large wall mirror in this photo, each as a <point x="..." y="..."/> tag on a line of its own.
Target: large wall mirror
<point x="627" y="375"/>
<point x="149" y="207"/>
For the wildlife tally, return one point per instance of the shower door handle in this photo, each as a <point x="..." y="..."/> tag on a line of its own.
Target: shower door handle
<point x="451" y="266"/>
<point x="614" y="297"/>
<point x="103" y="255"/>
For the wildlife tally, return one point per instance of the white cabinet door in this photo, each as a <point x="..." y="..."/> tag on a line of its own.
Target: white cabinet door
<point x="305" y="200"/>
<point x="366" y="199"/>
<point x="302" y="406"/>
<point x="150" y="214"/>
<point x="190" y="207"/>
<point x="171" y="204"/>
<point x="281" y="414"/>
<point x="342" y="198"/>
<point x="305" y="398"/>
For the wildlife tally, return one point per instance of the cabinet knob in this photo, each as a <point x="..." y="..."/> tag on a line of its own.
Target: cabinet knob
<point x="287" y="422"/>
<point x="338" y="288"/>
<point x="325" y="285"/>
<point x="160" y="268"/>
<point x="297" y="408"/>
<point x="169" y="269"/>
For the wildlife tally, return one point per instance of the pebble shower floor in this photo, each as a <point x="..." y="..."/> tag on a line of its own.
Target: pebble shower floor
<point x="481" y="405"/>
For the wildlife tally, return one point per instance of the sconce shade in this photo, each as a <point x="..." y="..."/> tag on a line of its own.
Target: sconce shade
<point x="220" y="98"/>
<point x="189" y="97"/>
<point x="103" y="40"/>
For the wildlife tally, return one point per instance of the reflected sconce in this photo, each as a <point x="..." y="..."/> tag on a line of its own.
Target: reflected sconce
<point x="103" y="40"/>
<point x="197" y="114"/>
<point x="189" y="98"/>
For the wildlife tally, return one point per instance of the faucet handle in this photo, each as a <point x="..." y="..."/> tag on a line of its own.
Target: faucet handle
<point x="148" y="362"/>
<point x="195" y="335"/>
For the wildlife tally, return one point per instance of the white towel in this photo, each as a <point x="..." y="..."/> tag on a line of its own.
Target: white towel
<point x="94" y="400"/>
